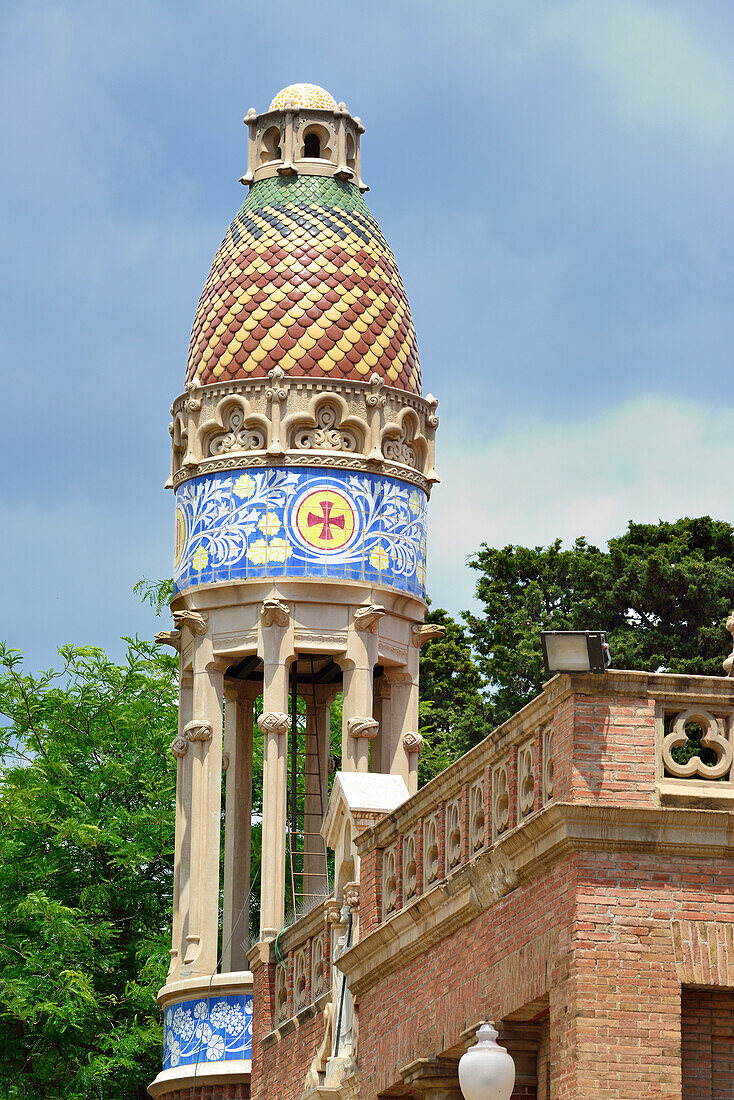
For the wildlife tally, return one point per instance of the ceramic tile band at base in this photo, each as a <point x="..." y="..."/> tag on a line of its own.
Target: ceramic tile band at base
<point x="281" y="521"/>
<point x="182" y="1077"/>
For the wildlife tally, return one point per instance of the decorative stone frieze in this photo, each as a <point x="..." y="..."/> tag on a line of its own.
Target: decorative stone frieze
<point x="389" y="881"/>
<point x="273" y="722"/>
<point x="476" y="816"/>
<point x="453" y="833"/>
<point x="253" y="422"/>
<point x="281" y="994"/>
<point x="714" y="733"/>
<point x="410" y="866"/>
<point x="547" y="772"/>
<point x="500" y="799"/>
<point x="431" y="852"/>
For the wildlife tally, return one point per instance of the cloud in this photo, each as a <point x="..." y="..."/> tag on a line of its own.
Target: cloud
<point x="654" y="62"/>
<point x="649" y="459"/>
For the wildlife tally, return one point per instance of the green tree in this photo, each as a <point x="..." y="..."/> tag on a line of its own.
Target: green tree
<point x="452" y="709"/>
<point x="86" y="846"/>
<point x="661" y="591"/>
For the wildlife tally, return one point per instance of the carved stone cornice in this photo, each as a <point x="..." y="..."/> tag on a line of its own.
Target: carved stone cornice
<point x="304" y="421"/>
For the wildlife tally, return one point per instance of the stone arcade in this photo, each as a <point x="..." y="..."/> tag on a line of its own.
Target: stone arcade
<point x="566" y="877"/>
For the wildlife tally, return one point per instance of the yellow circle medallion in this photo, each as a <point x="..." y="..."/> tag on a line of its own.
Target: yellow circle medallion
<point x="180" y="539"/>
<point x="325" y="519"/>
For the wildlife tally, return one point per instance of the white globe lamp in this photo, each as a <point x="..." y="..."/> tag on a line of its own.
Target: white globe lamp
<point x="486" y="1071"/>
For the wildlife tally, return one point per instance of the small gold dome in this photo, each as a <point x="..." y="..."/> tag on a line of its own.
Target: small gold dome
<point x="304" y="95"/>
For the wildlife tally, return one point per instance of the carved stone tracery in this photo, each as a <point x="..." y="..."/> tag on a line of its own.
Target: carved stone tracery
<point x="255" y="421"/>
<point x="327" y="432"/>
<point x="239" y="432"/>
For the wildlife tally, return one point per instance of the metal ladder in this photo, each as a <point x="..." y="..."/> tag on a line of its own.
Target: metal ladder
<point x="304" y="827"/>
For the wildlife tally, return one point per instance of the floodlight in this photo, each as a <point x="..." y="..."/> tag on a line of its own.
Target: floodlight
<point x="575" y="651"/>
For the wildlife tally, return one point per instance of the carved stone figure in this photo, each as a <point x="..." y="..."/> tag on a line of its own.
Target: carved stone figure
<point x="427" y="633"/>
<point x="729" y="662"/>
<point x="196" y="621"/>
<point x="412" y="741"/>
<point x="367" y="618"/>
<point x="169" y="637"/>
<point x="179" y="747"/>
<point x="275" y="613"/>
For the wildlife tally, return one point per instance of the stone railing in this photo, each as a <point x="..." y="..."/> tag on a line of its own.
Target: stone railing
<point x="282" y="421"/>
<point x="463" y="812"/>
<point x="610" y="740"/>
<point x="302" y="953"/>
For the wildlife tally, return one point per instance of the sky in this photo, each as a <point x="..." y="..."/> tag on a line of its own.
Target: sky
<point x="554" y="179"/>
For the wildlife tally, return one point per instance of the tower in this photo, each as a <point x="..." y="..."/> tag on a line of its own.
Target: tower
<point x="302" y="463"/>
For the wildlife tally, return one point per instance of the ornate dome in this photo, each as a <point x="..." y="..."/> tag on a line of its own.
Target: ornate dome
<point x="304" y="95"/>
<point x="304" y="280"/>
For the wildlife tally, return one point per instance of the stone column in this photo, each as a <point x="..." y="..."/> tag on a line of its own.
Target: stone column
<point x="238" y="730"/>
<point x="204" y="733"/>
<point x="359" y="725"/>
<point x="403" y="708"/>
<point x="182" y="843"/>
<point x="275" y="647"/>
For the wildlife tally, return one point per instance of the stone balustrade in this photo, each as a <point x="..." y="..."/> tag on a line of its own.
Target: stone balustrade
<point x="617" y="739"/>
<point x="302" y="954"/>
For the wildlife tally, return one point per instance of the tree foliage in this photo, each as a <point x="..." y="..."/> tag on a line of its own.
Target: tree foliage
<point x="661" y="591"/>
<point x="86" y="844"/>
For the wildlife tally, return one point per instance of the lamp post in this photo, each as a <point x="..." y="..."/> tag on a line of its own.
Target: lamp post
<point x="486" y="1071"/>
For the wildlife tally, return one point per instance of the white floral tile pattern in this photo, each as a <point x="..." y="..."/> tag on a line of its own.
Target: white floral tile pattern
<point x="212" y="1029"/>
<point x="302" y="523"/>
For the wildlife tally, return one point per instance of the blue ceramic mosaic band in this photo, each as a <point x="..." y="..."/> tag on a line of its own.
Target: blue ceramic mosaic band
<point x="300" y="523"/>
<point x="216" y="1029"/>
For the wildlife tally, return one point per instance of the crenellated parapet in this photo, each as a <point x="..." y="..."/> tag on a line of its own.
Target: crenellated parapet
<point x="257" y="422"/>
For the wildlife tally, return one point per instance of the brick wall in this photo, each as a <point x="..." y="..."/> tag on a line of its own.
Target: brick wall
<point x="500" y="961"/>
<point x="282" y="1067"/>
<point x="613" y="756"/>
<point x="707" y="1039"/>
